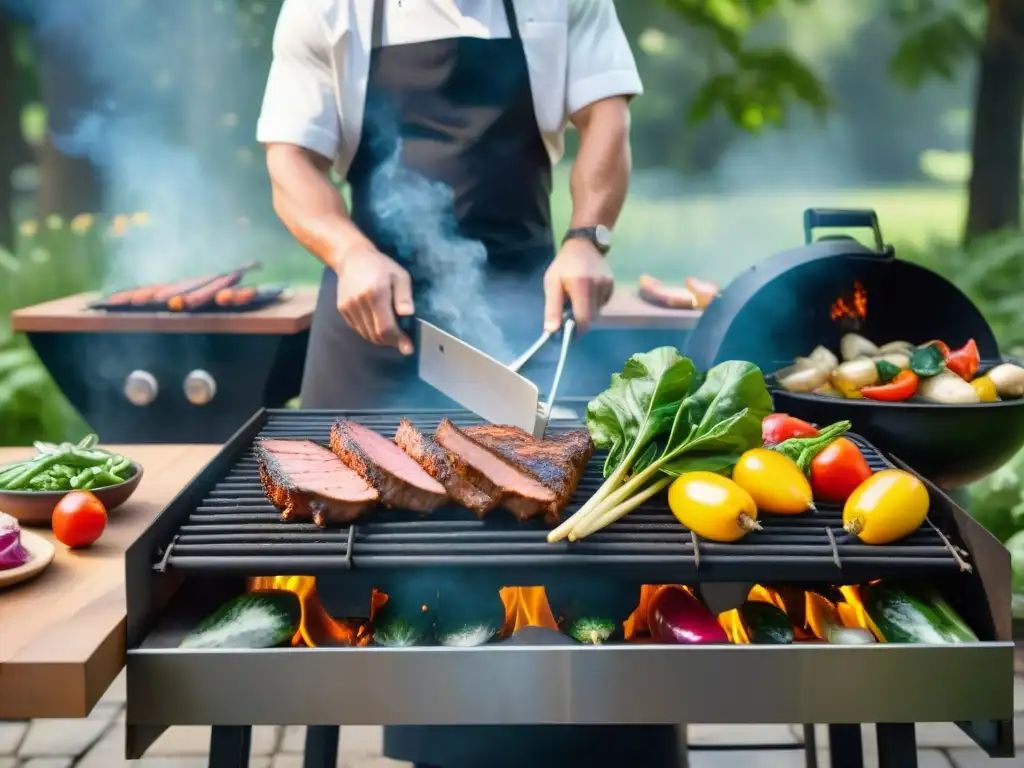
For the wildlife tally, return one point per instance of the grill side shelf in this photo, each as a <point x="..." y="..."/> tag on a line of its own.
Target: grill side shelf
<point x="234" y="529"/>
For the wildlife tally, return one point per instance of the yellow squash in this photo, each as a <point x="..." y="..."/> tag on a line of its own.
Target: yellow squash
<point x="712" y="506"/>
<point x="774" y="481"/>
<point x="886" y="507"/>
<point x="986" y="389"/>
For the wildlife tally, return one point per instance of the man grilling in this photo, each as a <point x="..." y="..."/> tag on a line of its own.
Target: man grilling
<point x="474" y="95"/>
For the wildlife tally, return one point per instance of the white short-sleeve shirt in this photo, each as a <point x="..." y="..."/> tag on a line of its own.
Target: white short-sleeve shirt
<point x="576" y="53"/>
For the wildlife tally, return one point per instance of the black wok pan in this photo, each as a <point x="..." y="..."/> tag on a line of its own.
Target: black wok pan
<point x="951" y="445"/>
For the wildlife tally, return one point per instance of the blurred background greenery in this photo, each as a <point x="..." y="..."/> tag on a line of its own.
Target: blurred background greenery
<point x="127" y="152"/>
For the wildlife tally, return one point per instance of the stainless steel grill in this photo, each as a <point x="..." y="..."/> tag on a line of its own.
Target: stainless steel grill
<point x="234" y="529"/>
<point x="220" y="530"/>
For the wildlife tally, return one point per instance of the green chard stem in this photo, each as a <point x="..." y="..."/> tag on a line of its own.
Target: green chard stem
<point x="607" y="489"/>
<point x="610" y="515"/>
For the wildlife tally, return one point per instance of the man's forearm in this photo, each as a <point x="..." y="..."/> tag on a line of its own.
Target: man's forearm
<point x="309" y="205"/>
<point x="600" y="173"/>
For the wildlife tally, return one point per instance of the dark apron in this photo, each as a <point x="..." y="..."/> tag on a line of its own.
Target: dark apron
<point x="459" y="113"/>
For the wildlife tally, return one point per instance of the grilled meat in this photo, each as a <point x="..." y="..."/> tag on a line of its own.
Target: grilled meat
<point x="235" y="297"/>
<point x="445" y="467"/>
<point x="399" y="480"/>
<point x="516" y="491"/>
<point x="202" y="295"/>
<point x="167" y="292"/>
<point x="308" y="482"/>
<point x="557" y="461"/>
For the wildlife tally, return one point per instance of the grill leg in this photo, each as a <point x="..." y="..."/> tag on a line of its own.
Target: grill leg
<point x="321" y="746"/>
<point x="810" y="746"/>
<point x="845" y="746"/>
<point x="897" y="745"/>
<point x="229" y="746"/>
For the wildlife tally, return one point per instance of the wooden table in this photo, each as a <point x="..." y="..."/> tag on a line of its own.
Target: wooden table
<point x="62" y="634"/>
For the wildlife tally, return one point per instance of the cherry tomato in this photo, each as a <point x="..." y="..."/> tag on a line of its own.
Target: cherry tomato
<point x="837" y="471"/>
<point x="78" y="519"/>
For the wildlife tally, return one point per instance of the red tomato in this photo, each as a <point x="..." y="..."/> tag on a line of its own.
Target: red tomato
<point x="837" y="471"/>
<point x="78" y="519"/>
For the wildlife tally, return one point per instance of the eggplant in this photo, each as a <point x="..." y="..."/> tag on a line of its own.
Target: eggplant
<point x="591" y="610"/>
<point x="676" y="617"/>
<point x="263" y="619"/>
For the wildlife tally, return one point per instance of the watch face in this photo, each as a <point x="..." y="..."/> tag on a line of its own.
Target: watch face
<point x="603" y="236"/>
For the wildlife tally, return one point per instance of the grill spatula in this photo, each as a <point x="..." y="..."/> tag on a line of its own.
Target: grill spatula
<point x="496" y="392"/>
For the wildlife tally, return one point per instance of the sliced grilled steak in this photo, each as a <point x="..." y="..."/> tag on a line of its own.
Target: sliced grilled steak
<point x="444" y="467"/>
<point x="557" y="461"/>
<point x="308" y="482"/>
<point x="400" y="481"/>
<point x="516" y="491"/>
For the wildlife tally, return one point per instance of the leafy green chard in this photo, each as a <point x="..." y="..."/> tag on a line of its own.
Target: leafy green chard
<point x="630" y="417"/>
<point x="712" y="426"/>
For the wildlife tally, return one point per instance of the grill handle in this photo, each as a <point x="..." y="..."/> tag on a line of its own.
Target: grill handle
<point x="846" y="218"/>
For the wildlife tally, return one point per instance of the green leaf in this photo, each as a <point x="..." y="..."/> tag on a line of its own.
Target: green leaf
<point x="936" y="48"/>
<point x="640" y="404"/>
<point x="720" y="420"/>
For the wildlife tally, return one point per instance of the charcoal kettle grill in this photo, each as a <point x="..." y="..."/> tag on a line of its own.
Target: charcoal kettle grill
<point x="785" y="306"/>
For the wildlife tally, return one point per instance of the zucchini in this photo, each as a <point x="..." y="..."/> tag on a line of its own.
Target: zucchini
<point x="591" y="610"/>
<point x="254" y="620"/>
<point x="468" y="615"/>
<point x="407" y="618"/>
<point x="905" y="618"/>
<point x="766" y="624"/>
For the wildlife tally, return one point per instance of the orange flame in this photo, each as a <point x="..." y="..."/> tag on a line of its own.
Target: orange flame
<point x="526" y="607"/>
<point x="316" y="627"/>
<point x="852" y="310"/>
<point x="853" y="614"/>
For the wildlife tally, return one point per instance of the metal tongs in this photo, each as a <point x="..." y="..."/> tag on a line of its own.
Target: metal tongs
<point x="544" y="409"/>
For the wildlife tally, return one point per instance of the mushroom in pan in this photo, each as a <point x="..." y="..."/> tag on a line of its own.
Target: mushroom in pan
<point x="896" y="346"/>
<point x="803" y="376"/>
<point x="853" y="375"/>
<point x="1008" y="380"/>
<point x="853" y="345"/>
<point x="947" y="388"/>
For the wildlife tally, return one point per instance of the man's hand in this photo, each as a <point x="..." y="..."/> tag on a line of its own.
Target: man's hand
<point x="372" y="291"/>
<point x="581" y="272"/>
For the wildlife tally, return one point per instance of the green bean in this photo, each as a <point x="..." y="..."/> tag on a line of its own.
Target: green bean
<point x="81" y="477"/>
<point x="64" y="470"/>
<point x="90" y="483"/>
<point x="123" y="466"/>
<point x="34" y="468"/>
<point x="106" y="478"/>
<point x="45" y="447"/>
<point x="88" y="441"/>
<point x="12" y="472"/>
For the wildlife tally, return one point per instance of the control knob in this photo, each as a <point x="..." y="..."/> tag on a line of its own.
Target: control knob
<point x="200" y="387"/>
<point x="140" y="387"/>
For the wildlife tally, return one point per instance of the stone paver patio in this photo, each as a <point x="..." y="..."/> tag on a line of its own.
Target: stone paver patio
<point x="98" y="742"/>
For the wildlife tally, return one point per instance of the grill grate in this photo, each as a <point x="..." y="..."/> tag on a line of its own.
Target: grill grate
<point x="234" y="529"/>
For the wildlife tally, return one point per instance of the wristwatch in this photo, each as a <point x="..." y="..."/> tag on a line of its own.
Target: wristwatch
<point x="600" y="236"/>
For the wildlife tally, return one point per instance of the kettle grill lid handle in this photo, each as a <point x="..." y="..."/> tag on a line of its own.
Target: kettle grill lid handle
<point x="846" y="218"/>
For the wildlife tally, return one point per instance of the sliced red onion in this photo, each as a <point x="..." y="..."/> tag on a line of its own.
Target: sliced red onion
<point x="12" y="554"/>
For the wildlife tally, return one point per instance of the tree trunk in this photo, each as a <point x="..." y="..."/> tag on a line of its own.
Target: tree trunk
<point x="10" y="132"/>
<point x="995" y="187"/>
<point x="69" y="185"/>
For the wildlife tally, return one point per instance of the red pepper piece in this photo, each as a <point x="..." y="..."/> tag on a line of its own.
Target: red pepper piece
<point x="837" y="471"/>
<point x="779" y="427"/>
<point x="964" y="362"/>
<point x="901" y="388"/>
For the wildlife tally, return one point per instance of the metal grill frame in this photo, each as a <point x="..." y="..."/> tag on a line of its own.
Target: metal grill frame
<point x="233" y="529"/>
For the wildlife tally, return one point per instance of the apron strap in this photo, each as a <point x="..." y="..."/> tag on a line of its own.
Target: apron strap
<point x="377" y="36"/>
